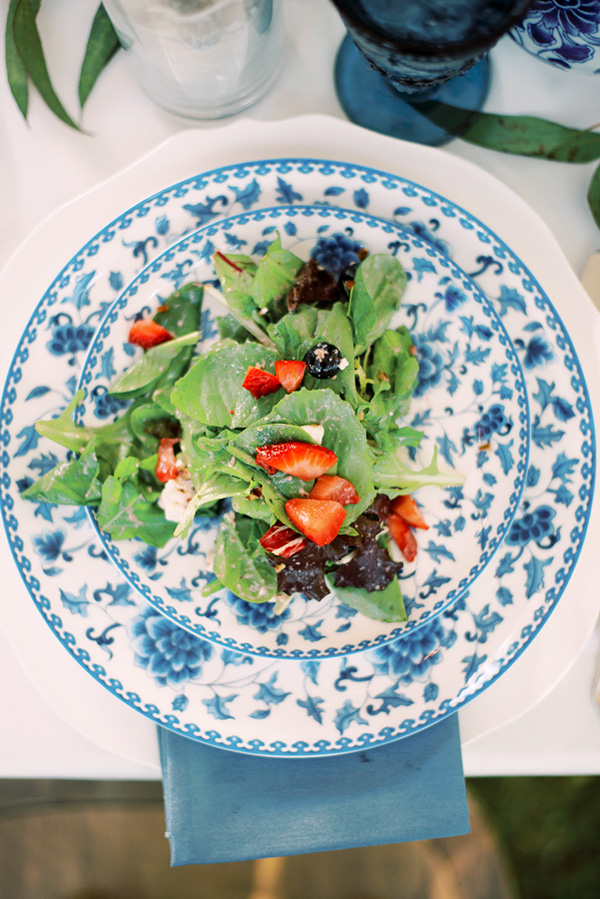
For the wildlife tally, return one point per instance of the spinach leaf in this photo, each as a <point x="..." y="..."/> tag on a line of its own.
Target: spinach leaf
<point x="148" y="422"/>
<point x="296" y="333"/>
<point x="211" y="392"/>
<point x="382" y="605"/>
<point x="167" y="360"/>
<point x="73" y="482"/>
<point x="181" y="313"/>
<point x="343" y="434"/>
<point x="240" y="562"/>
<point x="124" y="512"/>
<point x="379" y="284"/>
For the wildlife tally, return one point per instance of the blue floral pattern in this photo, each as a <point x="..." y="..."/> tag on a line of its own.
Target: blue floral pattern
<point x="311" y="707"/>
<point x="476" y="394"/>
<point x="565" y="33"/>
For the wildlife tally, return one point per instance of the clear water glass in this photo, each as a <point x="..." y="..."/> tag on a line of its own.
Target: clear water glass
<point x="201" y="59"/>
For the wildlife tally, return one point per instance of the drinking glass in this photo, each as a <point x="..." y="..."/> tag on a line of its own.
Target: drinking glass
<point x="417" y="69"/>
<point x="201" y="59"/>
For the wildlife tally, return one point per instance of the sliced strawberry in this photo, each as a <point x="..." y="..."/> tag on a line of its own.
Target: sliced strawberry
<point x="147" y="333"/>
<point x="406" y="508"/>
<point x="290" y="373"/>
<point x="402" y="536"/>
<point x="330" y="486"/>
<point x="282" y="541"/>
<point x="260" y="382"/>
<point x="319" y="520"/>
<point x="166" y="467"/>
<point x="304" y="460"/>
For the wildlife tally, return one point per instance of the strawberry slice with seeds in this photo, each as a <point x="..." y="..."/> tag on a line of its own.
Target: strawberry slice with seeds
<point x="147" y="333"/>
<point x="283" y="541"/>
<point x="330" y="486"/>
<point x="290" y="373"/>
<point x="304" y="460"/>
<point x="402" y="536"/>
<point x="406" y="508"/>
<point x="319" y="520"/>
<point x="260" y="382"/>
<point x="166" y="466"/>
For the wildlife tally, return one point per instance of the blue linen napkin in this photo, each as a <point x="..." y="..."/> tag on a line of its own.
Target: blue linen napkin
<point x="223" y="806"/>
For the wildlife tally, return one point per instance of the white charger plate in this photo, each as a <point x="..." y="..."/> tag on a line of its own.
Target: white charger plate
<point x="474" y="395"/>
<point x="565" y="643"/>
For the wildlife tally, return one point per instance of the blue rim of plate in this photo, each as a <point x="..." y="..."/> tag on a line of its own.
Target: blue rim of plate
<point x="504" y="655"/>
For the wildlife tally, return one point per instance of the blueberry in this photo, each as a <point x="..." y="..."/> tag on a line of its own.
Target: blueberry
<point x="323" y="360"/>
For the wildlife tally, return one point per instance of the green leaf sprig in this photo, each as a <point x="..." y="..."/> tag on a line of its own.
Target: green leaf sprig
<point x="26" y="62"/>
<point x="530" y="136"/>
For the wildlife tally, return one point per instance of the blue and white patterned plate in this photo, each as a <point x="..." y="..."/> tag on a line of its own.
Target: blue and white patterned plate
<point x="310" y="707"/>
<point x="471" y="392"/>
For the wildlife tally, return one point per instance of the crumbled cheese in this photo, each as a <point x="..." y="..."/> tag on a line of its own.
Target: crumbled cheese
<point x="343" y="363"/>
<point x="315" y="432"/>
<point x="176" y="494"/>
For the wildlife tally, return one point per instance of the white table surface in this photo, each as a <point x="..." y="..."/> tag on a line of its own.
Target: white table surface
<point x="44" y="164"/>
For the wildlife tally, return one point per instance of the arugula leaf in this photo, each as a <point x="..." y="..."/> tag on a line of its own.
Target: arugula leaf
<point x="63" y="429"/>
<point x="73" y="482"/>
<point x="211" y="392"/>
<point x="382" y="605"/>
<point x="145" y="373"/>
<point x="124" y="512"/>
<point x="393" y="477"/>
<point x="240" y="562"/>
<point x="275" y="274"/>
<point x="379" y="284"/>
<point x="102" y="44"/>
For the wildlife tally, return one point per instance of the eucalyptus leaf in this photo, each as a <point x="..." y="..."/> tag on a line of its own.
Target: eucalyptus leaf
<point x="16" y="70"/>
<point x="593" y="196"/>
<point x="531" y="136"/>
<point x="30" y="49"/>
<point x="101" y="46"/>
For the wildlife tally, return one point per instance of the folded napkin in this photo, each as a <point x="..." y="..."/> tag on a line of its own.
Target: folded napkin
<point x="223" y="806"/>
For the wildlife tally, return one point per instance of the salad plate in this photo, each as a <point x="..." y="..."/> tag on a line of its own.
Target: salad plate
<point x="338" y="704"/>
<point x="476" y="397"/>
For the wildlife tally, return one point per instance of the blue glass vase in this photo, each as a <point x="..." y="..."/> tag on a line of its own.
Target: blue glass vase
<point x="403" y="58"/>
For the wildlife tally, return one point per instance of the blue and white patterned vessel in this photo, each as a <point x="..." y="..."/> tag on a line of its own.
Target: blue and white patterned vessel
<point x="564" y="33"/>
<point x="286" y="707"/>
<point x="470" y="393"/>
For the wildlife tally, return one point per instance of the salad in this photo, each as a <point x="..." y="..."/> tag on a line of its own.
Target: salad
<point x="288" y="430"/>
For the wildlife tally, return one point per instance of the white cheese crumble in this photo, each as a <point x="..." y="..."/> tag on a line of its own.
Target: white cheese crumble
<point x="343" y="363"/>
<point x="315" y="432"/>
<point x="176" y="494"/>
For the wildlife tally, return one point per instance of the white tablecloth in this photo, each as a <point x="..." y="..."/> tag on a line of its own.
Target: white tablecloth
<point x="44" y="164"/>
